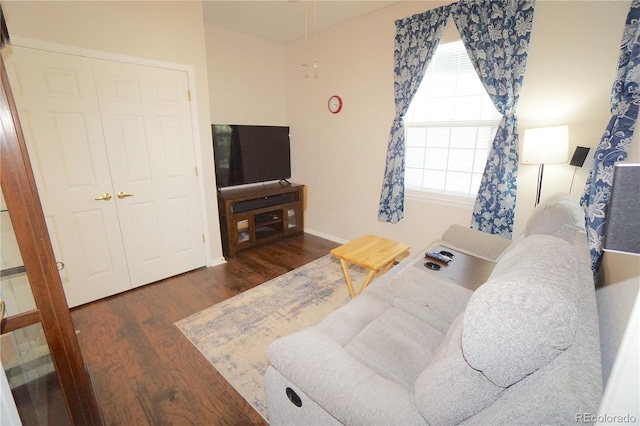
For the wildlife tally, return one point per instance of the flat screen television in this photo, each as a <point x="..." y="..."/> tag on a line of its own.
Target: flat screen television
<point x="246" y="154"/>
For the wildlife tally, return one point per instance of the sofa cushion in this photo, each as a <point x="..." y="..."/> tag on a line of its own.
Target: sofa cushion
<point x="396" y="346"/>
<point x="449" y="391"/>
<point x="343" y="386"/>
<point x="525" y="315"/>
<point x="390" y="341"/>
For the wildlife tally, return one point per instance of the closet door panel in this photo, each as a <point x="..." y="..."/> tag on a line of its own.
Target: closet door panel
<point x="59" y="111"/>
<point x="144" y="216"/>
<point x="147" y="125"/>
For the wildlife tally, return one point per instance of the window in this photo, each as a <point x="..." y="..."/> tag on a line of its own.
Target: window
<point x="449" y="126"/>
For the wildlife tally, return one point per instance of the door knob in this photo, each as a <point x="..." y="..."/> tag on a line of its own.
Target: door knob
<point x="104" y="197"/>
<point x="122" y="195"/>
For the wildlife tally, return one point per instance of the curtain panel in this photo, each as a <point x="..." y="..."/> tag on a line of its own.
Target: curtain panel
<point x="616" y="140"/>
<point x="415" y="43"/>
<point x="4" y="31"/>
<point x="496" y="36"/>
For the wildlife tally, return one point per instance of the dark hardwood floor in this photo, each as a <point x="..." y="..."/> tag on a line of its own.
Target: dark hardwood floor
<point x="145" y="371"/>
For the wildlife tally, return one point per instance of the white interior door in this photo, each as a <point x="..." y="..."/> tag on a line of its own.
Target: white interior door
<point x="59" y="113"/>
<point x="146" y="118"/>
<point x="96" y="129"/>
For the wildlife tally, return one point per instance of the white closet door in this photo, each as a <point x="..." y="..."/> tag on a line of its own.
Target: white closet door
<point x="146" y="118"/>
<point x="59" y="113"/>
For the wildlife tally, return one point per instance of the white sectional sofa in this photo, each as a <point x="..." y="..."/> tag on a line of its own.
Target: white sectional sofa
<point x="418" y="349"/>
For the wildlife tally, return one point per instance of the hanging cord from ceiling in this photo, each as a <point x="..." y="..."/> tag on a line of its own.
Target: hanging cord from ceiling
<point x="315" y="38"/>
<point x="306" y="65"/>
<point x="306" y="39"/>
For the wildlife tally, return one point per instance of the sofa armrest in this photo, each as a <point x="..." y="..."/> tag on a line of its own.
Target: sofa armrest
<point x="475" y="242"/>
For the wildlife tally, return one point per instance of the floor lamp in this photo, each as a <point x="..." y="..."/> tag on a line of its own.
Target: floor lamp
<point x="546" y="145"/>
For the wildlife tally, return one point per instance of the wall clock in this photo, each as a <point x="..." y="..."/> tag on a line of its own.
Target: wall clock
<point x="335" y="104"/>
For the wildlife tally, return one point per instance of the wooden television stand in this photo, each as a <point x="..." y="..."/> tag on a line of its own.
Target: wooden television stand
<point x="260" y="213"/>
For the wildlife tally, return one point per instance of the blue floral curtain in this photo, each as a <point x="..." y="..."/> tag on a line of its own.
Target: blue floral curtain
<point x="615" y="142"/>
<point x="416" y="40"/>
<point x="496" y="36"/>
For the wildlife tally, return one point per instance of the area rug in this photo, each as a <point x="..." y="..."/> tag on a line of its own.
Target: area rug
<point x="234" y="334"/>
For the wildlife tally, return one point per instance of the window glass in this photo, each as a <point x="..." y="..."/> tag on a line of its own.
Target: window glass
<point x="449" y="126"/>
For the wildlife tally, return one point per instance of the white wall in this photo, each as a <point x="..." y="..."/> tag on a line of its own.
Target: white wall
<point x="572" y="61"/>
<point x="572" y="64"/>
<point x="167" y="32"/>
<point x="246" y="79"/>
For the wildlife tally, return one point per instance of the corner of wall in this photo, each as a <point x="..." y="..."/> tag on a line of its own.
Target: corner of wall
<point x="615" y="303"/>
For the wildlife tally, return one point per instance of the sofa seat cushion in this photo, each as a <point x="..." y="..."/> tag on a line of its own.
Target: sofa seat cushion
<point x="396" y="345"/>
<point x="426" y="296"/>
<point x="346" y="388"/>
<point x="392" y="342"/>
<point x="360" y="362"/>
<point x="526" y="314"/>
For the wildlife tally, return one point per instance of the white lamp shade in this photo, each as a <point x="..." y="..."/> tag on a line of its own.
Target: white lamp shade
<point x="546" y="145"/>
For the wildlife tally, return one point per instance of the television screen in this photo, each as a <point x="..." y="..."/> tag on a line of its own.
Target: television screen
<point x="249" y="154"/>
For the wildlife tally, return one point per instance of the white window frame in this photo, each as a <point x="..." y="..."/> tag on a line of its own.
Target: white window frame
<point x="447" y="196"/>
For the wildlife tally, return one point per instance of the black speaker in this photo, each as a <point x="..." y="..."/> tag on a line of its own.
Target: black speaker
<point x="622" y="232"/>
<point x="258" y="203"/>
<point x="579" y="155"/>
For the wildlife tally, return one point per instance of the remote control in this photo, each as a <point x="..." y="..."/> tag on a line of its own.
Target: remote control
<point x="438" y="256"/>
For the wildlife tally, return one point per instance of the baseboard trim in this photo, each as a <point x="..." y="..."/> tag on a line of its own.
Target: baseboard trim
<point x="325" y="236"/>
<point x="216" y="262"/>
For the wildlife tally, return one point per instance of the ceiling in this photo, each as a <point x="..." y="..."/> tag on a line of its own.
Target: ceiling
<point x="283" y="21"/>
